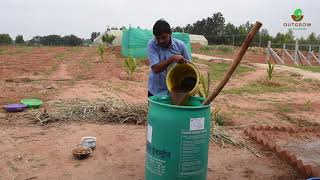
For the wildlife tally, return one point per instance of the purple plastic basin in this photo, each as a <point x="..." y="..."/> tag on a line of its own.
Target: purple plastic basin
<point x="15" y="107"/>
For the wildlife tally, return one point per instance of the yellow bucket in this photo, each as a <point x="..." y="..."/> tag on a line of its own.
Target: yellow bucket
<point x="177" y="73"/>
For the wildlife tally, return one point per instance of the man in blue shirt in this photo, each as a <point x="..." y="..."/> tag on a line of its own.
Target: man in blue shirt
<point x="163" y="50"/>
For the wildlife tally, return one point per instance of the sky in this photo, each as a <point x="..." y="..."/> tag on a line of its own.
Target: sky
<point x="82" y="17"/>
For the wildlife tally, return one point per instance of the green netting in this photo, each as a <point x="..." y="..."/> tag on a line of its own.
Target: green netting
<point x="134" y="41"/>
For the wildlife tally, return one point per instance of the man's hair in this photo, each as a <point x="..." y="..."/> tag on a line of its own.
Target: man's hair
<point x="160" y="27"/>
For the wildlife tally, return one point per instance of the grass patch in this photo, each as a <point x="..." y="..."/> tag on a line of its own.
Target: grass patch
<point x="309" y="68"/>
<point x="16" y="50"/>
<point x="258" y="87"/>
<point x="285" y="109"/>
<point x="60" y="56"/>
<point x="85" y="64"/>
<point x="219" y="49"/>
<point x="280" y="84"/>
<point x="74" y="49"/>
<point x="217" y="70"/>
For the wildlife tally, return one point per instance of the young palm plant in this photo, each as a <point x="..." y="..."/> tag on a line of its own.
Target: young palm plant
<point x="270" y="73"/>
<point x="101" y="51"/>
<point x="130" y="66"/>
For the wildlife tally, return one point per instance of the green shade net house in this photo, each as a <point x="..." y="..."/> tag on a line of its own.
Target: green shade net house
<point x="135" y="41"/>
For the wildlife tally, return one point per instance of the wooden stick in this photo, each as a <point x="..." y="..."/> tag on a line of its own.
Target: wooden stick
<point x="235" y="63"/>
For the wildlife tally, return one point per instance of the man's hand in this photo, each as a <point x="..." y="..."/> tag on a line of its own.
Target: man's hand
<point x="164" y="64"/>
<point x="178" y="59"/>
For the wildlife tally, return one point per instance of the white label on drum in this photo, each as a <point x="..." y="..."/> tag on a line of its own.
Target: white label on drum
<point x="196" y="124"/>
<point x="149" y="133"/>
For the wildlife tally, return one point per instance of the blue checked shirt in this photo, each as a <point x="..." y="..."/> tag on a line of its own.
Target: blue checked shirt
<point x="157" y="81"/>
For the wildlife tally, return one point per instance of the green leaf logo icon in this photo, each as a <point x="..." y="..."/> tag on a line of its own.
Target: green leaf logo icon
<point x="297" y="15"/>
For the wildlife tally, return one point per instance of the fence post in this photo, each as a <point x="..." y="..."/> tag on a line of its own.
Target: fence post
<point x="268" y="51"/>
<point x="309" y="54"/>
<point x="296" y="51"/>
<point x="319" y="54"/>
<point x="233" y="41"/>
<point x="284" y="48"/>
<point x="259" y="39"/>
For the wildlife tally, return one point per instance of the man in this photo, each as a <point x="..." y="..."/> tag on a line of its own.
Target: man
<point x="163" y="50"/>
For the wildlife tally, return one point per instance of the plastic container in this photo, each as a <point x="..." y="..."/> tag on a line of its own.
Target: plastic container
<point x="177" y="139"/>
<point x="15" y="107"/>
<point x="32" y="103"/>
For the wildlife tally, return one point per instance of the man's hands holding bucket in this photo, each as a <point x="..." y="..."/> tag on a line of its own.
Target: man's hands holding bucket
<point x="178" y="59"/>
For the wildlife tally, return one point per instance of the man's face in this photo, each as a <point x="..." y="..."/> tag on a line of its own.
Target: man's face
<point x="163" y="40"/>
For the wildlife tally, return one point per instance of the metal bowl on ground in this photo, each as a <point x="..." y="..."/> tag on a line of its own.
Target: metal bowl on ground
<point x="81" y="152"/>
<point x="89" y="142"/>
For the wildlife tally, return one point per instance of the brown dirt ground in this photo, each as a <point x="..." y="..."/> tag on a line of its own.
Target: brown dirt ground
<point x="51" y="73"/>
<point x="34" y="152"/>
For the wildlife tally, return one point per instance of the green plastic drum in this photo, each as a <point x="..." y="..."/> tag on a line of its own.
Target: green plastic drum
<point x="32" y="103"/>
<point x="177" y="140"/>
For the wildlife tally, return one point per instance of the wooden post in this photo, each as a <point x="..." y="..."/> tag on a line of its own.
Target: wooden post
<point x="268" y="51"/>
<point x="234" y="64"/>
<point x="296" y="51"/>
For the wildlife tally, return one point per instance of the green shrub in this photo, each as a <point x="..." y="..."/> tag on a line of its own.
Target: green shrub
<point x="108" y="39"/>
<point x="218" y="117"/>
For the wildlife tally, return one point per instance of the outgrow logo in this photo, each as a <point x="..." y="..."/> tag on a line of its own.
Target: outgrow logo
<point x="297" y="15"/>
<point x="298" y="24"/>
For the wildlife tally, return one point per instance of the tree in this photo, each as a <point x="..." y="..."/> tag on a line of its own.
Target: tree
<point x="51" y="40"/>
<point x="94" y="35"/>
<point x="211" y="26"/>
<point x="72" y="40"/>
<point x="265" y="37"/>
<point x="35" y="41"/>
<point x="289" y="37"/>
<point x="5" y="39"/>
<point x="279" y="39"/>
<point x="19" y="39"/>
<point x="230" y="29"/>
<point x="177" y="29"/>
<point x="312" y="38"/>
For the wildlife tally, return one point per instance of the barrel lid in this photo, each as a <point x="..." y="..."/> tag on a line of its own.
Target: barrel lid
<point x="166" y="101"/>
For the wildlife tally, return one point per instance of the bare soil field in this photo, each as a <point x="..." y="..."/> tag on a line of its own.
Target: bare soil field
<point x="31" y="150"/>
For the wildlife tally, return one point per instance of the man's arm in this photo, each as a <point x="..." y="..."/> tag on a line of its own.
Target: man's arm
<point x="155" y="63"/>
<point x="185" y="52"/>
<point x="157" y="68"/>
